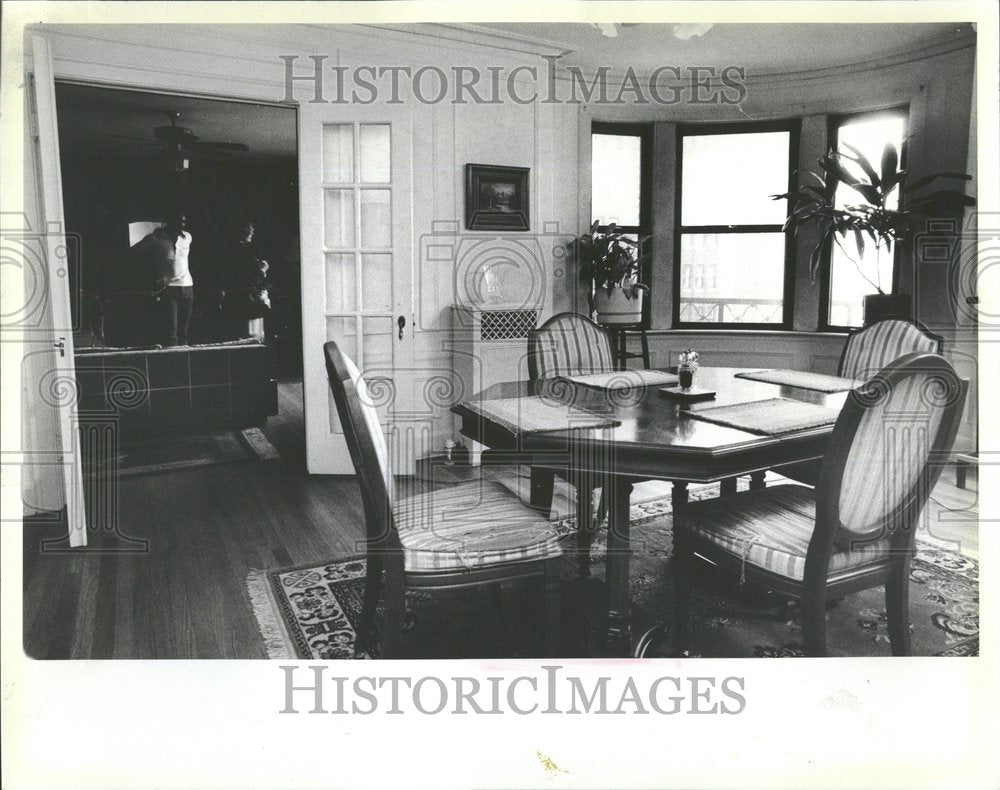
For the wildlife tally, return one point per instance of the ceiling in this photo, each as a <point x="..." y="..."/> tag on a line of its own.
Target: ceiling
<point x="760" y="48"/>
<point x="88" y="116"/>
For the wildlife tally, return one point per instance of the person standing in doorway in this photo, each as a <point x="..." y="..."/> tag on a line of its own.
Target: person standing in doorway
<point x="247" y="295"/>
<point x="167" y="249"/>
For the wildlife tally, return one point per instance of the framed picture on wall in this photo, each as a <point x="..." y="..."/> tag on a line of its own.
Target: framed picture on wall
<point x="496" y="198"/>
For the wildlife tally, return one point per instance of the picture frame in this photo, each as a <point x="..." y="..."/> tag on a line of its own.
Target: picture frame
<point x="497" y="197"/>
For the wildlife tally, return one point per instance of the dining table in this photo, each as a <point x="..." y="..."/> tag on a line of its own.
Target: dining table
<point x="616" y="437"/>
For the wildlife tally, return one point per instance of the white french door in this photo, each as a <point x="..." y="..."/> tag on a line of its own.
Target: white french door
<point x="54" y="360"/>
<point x="355" y="199"/>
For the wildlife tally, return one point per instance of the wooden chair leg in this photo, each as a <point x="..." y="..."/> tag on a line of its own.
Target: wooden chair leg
<point x="395" y="608"/>
<point x="373" y="583"/>
<point x="584" y="522"/>
<point x="542" y="485"/>
<point x="552" y="603"/>
<point x="897" y="607"/>
<point x="814" y="625"/>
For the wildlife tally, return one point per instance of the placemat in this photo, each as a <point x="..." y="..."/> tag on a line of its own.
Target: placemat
<point x="624" y="379"/>
<point x="802" y="379"/>
<point x="768" y="417"/>
<point x="533" y="414"/>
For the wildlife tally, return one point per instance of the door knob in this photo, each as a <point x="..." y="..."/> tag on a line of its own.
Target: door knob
<point x="401" y="322"/>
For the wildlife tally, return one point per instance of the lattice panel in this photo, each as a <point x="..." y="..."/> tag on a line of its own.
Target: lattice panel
<point x="506" y="324"/>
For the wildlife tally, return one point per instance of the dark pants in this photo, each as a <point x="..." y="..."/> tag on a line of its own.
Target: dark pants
<point x="174" y="315"/>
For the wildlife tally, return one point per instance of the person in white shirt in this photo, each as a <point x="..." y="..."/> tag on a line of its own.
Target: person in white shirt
<point x="166" y="249"/>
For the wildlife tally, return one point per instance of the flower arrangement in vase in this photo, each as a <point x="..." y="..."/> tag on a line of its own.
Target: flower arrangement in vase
<point x="686" y="369"/>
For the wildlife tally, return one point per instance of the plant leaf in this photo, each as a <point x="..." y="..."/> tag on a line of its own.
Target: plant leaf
<point x="890" y="161"/>
<point x="862" y="160"/>
<point x="922" y="182"/>
<point x="859" y="237"/>
<point x="870" y="193"/>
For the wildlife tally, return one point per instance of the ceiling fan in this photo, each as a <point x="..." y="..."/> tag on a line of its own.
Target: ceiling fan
<point x="179" y="142"/>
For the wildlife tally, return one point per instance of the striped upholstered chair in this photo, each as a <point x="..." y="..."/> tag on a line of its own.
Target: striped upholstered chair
<point x="869" y="349"/>
<point x="865" y="353"/>
<point x="472" y="534"/>
<point x="570" y="344"/>
<point x="856" y="529"/>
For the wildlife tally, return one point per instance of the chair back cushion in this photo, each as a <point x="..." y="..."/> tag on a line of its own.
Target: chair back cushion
<point x="359" y="420"/>
<point x="869" y="350"/>
<point x="907" y="412"/>
<point x="569" y="345"/>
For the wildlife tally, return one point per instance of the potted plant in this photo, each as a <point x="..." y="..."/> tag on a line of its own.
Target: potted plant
<point x="870" y="220"/>
<point x="612" y="262"/>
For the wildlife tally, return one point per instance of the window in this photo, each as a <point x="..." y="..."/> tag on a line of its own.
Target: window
<point x="733" y="260"/>
<point x="850" y="277"/>
<point x="621" y="167"/>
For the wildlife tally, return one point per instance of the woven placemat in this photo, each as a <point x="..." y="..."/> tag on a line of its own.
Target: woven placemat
<point x="624" y="379"/>
<point x="768" y="417"/>
<point x="533" y="414"/>
<point x="802" y="379"/>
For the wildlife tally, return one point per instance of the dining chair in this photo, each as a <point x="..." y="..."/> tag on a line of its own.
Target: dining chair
<point x="866" y="351"/>
<point x="871" y="348"/>
<point x="856" y="529"/>
<point x="472" y="534"/>
<point x="570" y="344"/>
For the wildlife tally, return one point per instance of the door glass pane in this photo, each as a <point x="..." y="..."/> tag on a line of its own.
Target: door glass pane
<point x="341" y="330"/>
<point x="732" y="278"/>
<point x="615" y="182"/>
<point x="727" y="179"/>
<point x="374" y="153"/>
<point x="376" y="282"/>
<point x="338" y="217"/>
<point x="377" y="340"/>
<point x="338" y="153"/>
<point x="376" y="219"/>
<point x="341" y="282"/>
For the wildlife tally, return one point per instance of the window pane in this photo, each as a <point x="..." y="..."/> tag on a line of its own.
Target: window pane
<point x="727" y="179"/>
<point x="338" y="152"/>
<point x="338" y="217"/>
<point x="376" y="282"/>
<point x="732" y="278"/>
<point x="340" y="282"/>
<point x="376" y="219"/>
<point x="847" y="285"/>
<point x="616" y="178"/>
<point x="374" y="153"/>
<point x="852" y="276"/>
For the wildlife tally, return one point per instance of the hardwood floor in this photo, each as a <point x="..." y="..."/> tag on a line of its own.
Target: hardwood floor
<point x="185" y="596"/>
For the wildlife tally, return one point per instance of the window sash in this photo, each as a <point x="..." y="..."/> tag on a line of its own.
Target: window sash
<point x="793" y="128"/>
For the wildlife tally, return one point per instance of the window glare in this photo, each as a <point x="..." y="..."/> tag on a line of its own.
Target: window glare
<point x="869" y="136"/>
<point x="616" y="178"/>
<point x="728" y="179"/>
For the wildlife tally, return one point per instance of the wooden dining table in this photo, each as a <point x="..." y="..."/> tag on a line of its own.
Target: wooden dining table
<point x="654" y="438"/>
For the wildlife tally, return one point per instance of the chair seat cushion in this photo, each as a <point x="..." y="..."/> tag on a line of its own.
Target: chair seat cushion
<point x="472" y="525"/>
<point x="770" y="529"/>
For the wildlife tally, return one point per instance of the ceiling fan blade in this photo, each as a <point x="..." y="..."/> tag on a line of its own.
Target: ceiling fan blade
<point x="216" y="147"/>
<point x="134" y="140"/>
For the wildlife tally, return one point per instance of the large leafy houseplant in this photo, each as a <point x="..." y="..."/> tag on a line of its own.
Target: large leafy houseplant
<point x="869" y="220"/>
<point x="610" y="259"/>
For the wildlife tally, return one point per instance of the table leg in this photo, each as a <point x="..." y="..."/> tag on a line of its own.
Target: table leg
<point x="619" y="639"/>
<point x="542" y="483"/>
<point x="584" y="482"/>
<point x="682" y="569"/>
<point x="757" y="481"/>
<point x="727" y="487"/>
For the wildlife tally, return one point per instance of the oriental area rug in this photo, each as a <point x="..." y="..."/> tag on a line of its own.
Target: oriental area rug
<point x="311" y="611"/>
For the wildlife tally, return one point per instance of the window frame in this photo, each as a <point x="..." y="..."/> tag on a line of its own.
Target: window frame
<point x="834" y="122"/>
<point x="644" y="131"/>
<point x="794" y="128"/>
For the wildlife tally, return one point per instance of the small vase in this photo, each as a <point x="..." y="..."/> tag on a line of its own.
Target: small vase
<point x="685" y="376"/>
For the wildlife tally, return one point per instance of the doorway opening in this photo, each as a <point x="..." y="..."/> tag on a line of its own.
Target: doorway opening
<point x="218" y="341"/>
